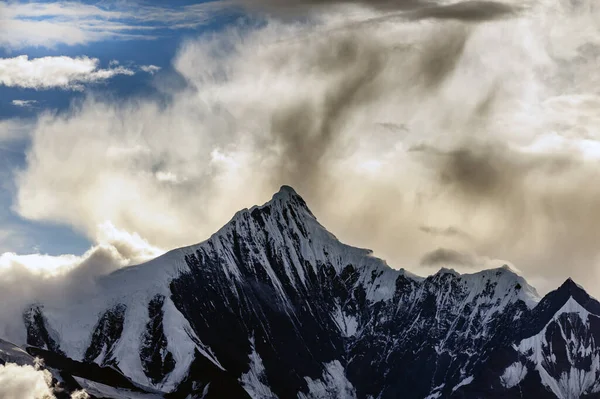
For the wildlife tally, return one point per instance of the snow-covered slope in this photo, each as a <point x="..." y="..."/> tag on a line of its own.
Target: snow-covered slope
<point x="573" y="376"/>
<point x="10" y="353"/>
<point x="554" y="351"/>
<point x="274" y="306"/>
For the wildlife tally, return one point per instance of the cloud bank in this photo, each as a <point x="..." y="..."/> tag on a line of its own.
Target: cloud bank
<point x="30" y="382"/>
<point x="468" y="11"/>
<point x="25" y="382"/>
<point x="434" y="140"/>
<point x="27" y="279"/>
<point x="59" y="72"/>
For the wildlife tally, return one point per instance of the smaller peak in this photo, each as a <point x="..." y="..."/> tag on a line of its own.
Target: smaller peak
<point x="506" y="269"/>
<point x="287" y="189"/>
<point x="287" y="196"/>
<point x="445" y="270"/>
<point x="571" y="286"/>
<point x="286" y="193"/>
<point x="570" y="289"/>
<point x="569" y="297"/>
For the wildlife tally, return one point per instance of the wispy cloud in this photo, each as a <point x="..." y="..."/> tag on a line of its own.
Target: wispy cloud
<point x="24" y="103"/>
<point x="64" y="22"/>
<point x="62" y="72"/>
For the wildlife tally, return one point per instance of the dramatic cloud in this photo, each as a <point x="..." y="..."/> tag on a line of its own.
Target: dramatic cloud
<point x="40" y="23"/>
<point x="473" y="10"/>
<point x="55" y="72"/>
<point x="467" y="11"/>
<point x="462" y="131"/>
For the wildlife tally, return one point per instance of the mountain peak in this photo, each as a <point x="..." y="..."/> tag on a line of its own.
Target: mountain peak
<point x="286" y="193"/>
<point x="287" y="197"/>
<point x="571" y="287"/>
<point x="555" y="300"/>
<point x="446" y="270"/>
<point x="287" y="190"/>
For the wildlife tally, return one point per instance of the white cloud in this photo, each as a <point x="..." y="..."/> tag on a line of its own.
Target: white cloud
<point x="29" y="382"/>
<point x="47" y="24"/>
<point x="25" y="382"/>
<point x="151" y="69"/>
<point x="38" y="277"/>
<point x="124" y="249"/>
<point x="81" y="394"/>
<point x="24" y="103"/>
<point x="55" y="72"/>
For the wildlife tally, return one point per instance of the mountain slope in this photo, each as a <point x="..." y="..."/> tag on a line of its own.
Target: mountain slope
<point x="555" y="352"/>
<point x="273" y="305"/>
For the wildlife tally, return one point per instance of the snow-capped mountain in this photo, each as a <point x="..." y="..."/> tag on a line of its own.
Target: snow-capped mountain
<point x="274" y="306"/>
<point x="554" y="351"/>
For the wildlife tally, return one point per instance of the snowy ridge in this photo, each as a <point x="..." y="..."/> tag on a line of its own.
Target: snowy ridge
<point x="10" y="353"/>
<point x="456" y="317"/>
<point x="565" y="327"/>
<point x="274" y="306"/>
<point x="289" y="224"/>
<point x="105" y="391"/>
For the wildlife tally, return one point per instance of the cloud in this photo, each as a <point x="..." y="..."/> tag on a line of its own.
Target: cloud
<point x="39" y="23"/>
<point x="446" y="257"/>
<point x="24" y="103"/>
<point x="121" y="247"/>
<point x="30" y="382"/>
<point x="14" y="129"/>
<point x="298" y="5"/>
<point x="81" y="394"/>
<point x="531" y="201"/>
<point x="399" y="133"/>
<point x="473" y="10"/>
<point x="25" y="279"/>
<point x="25" y="382"/>
<point x="151" y="69"/>
<point x="61" y="72"/>
<point x="450" y="231"/>
<point x="467" y="11"/>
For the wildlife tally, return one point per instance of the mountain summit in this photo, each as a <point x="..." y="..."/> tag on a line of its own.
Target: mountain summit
<point x="274" y="306"/>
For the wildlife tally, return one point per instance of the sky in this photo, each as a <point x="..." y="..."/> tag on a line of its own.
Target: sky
<point x="446" y="133"/>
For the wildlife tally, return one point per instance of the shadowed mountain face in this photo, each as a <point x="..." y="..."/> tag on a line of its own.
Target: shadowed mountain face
<point x="274" y="306"/>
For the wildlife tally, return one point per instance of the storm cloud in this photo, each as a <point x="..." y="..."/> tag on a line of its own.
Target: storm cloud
<point x="471" y="127"/>
<point x="473" y="10"/>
